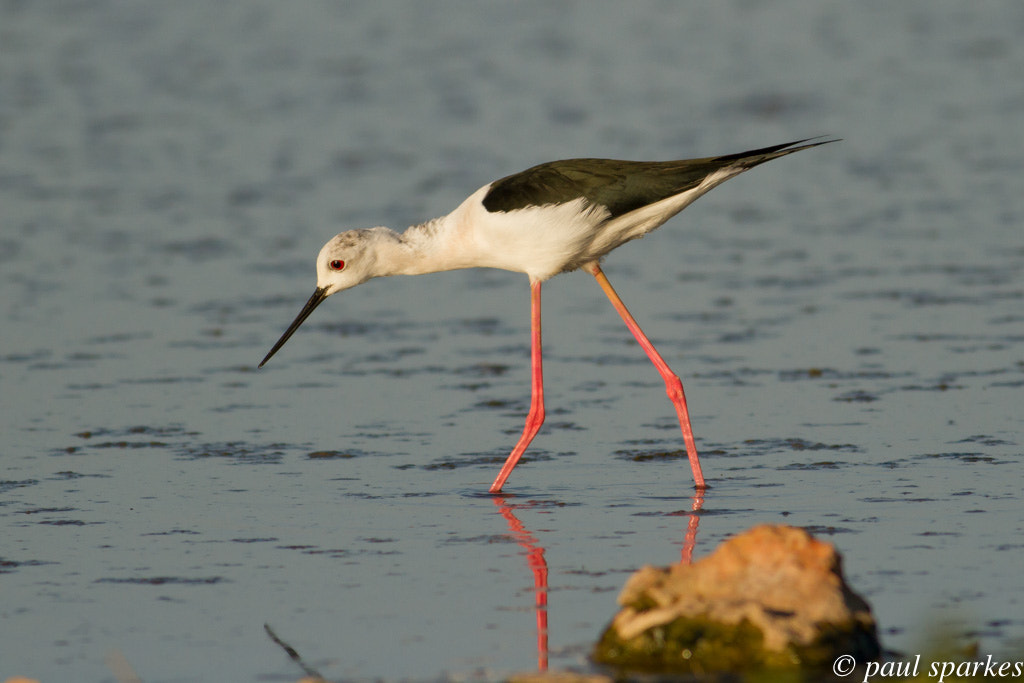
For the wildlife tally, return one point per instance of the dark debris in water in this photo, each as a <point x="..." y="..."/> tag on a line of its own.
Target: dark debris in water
<point x="172" y="430"/>
<point x="739" y="377"/>
<point x="67" y="522"/>
<point x="237" y="451"/>
<point x="67" y="475"/>
<point x="181" y="442"/>
<point x="963" y="457"/>
<point x="483" y="370"/>
<point x="26" y="357"/>
<point x="801" y="445"/>
<point x="813" y="466"/>
<point x="451" y="463"/>
<point x="749" y="447"/>
<point x="498" y="404"/>
<point x="826" y="530"/>
<point x="938" y="386"/>
<point x="330" y="455"/>
<point x="648" y="456"/>
<point x="797" y="444"/>
<point x="37" y="511"/>
<point x="10" y="566"/>
<point x="835" y="375"/>
<point x="128" y="445"/>
<point x="485" y="539"/>
<point x="11" y="484"/>
<point x="858" y="396"/>
<point x="165" y="580"/>
<point x="986" y="440"/>
<point x="474" y="459"/>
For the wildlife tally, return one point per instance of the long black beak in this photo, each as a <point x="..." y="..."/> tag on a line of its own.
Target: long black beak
<point x="318" y="296"/>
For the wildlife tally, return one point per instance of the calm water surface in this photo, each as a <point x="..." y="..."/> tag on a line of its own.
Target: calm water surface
<point x="848" y="323"/>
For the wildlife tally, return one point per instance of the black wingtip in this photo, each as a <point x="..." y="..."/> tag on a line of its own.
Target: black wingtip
<point x="784" y="148"/>
<point x="755" y="157"/>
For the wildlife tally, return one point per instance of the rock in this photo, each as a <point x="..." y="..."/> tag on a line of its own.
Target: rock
<point x="773" y="597"/>
<point x="559" y="677"/>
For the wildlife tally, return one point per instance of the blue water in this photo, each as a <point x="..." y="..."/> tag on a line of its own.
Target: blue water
<point x="847" y="321"/>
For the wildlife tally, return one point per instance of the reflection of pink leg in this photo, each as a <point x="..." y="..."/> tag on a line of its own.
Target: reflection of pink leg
<point x="535" y="418"/>
<point x="673" y="386"/>
<point x="691" y="528"/>
<point x="540" y="587"/>
<point x="539" y="566"/>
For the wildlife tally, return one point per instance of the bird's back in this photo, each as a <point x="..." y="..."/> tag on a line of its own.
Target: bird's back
<point x="619" y="186"/>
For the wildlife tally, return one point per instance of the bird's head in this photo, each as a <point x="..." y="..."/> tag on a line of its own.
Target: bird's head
<point x="348" y="259"/>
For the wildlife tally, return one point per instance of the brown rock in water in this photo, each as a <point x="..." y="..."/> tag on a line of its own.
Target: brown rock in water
<point x="772" y="597"/>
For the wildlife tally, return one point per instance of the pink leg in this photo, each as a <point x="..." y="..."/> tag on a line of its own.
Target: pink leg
<point x="673" y="386"/>
<point x="535" y="418"/>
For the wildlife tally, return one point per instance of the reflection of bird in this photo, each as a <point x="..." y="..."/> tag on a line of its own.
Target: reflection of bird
<point x="549" y="219"/>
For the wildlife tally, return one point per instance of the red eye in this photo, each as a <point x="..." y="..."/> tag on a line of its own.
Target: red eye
<point x="337" y="264"/>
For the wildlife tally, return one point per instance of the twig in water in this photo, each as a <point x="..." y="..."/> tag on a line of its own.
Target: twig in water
<point x="293" y="654"/>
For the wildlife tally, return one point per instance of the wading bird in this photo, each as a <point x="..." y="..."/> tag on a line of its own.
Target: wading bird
<point x="549" y="219"/>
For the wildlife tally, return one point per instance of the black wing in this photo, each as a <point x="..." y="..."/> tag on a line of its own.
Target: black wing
<point x="619" y="186"/>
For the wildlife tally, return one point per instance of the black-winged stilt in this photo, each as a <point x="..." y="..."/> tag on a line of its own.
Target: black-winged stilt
<point x="549" y="219"/>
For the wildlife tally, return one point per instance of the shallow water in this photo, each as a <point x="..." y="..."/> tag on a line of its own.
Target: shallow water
<point x="847" y="322"/>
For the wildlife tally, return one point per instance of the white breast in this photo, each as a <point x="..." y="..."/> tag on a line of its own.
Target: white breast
<point x="540" y="241"/>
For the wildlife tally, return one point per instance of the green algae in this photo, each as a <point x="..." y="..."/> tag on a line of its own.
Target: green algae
<point x="699" y="645"/>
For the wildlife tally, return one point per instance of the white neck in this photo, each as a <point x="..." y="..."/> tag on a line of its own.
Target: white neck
<point x="444" y="243"/>
<point x="423" y="248"/>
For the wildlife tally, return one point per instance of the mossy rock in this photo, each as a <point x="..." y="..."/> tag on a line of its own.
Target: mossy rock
<point x="771" y="599"/>
<point x="696" y="645"/>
